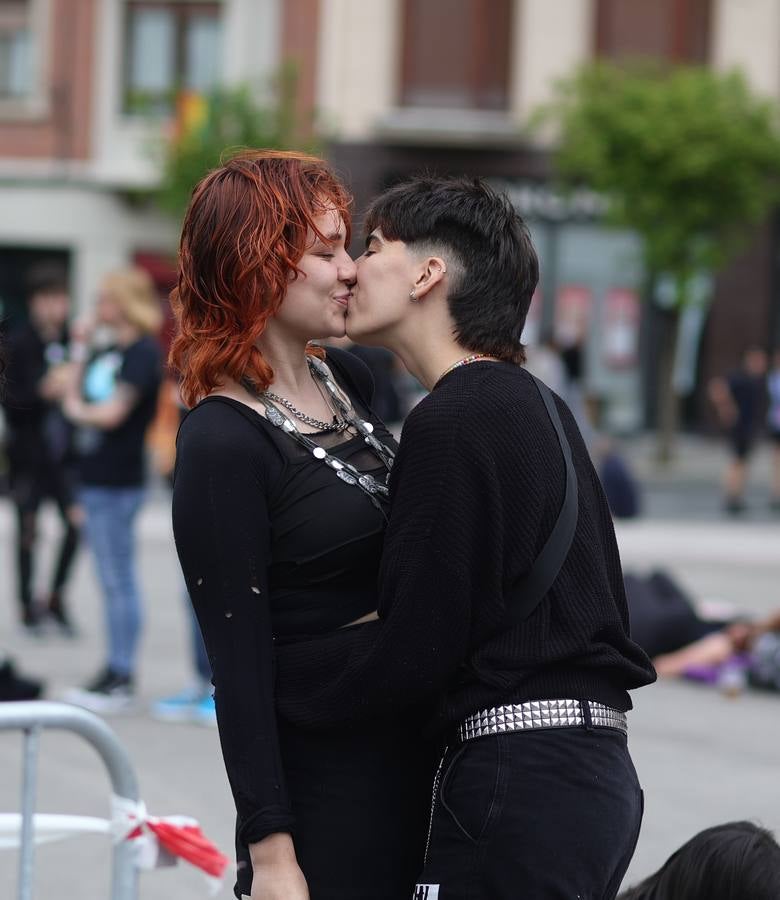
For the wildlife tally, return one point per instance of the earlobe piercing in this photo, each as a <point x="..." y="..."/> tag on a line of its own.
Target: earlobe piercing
<point x="413" y="295"/>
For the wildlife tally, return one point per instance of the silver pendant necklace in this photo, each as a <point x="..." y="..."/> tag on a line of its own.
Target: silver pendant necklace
<point x="345" y="412"/>
<point x="337" y="424"/>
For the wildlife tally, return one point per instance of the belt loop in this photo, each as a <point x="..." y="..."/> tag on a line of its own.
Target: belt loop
<point x="587" y="719"/>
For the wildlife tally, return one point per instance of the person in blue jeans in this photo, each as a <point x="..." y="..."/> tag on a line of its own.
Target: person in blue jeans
<point x="112" y="401"/>
<point x="195" y="702"/>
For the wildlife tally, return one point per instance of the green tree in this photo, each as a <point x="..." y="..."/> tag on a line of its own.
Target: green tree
<point x="687" y="158"/>
<point x="209" y="128"/>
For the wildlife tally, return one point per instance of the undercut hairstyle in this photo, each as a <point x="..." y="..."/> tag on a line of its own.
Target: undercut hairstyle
<point x="735" y="861"/>
<point x="243" y="236"/>
<point x="477" y="229"/>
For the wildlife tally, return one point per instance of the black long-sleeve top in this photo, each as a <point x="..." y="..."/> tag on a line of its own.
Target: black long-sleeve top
<point x="475" y="491"/>
<point x="273" y="547"/>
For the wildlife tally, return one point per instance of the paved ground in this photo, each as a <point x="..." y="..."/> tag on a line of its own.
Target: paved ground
<point x="702" y="758"/>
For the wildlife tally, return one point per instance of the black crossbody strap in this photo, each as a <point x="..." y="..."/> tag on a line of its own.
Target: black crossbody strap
<point x="527" y="592"/>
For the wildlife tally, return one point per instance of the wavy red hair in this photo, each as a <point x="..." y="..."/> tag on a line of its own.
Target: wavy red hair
<point x="244" y="233"/>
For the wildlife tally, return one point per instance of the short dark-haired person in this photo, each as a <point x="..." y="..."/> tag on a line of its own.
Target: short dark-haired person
<point x="733" y="861"/>
<point x="39" y="441"/>
<point x="740" y="400"/>
<point x="516" y="632"/>
<point x="14" y="686"/>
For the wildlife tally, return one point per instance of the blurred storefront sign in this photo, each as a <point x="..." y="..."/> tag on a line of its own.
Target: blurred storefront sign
<point x="573" y="307"/>
<point x="620" y="342"/>
<point x="537" y="200"/>
<point x="591" y="299"/>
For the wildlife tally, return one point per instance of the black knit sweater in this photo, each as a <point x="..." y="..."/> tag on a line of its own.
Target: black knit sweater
<point x="477" y="487"/>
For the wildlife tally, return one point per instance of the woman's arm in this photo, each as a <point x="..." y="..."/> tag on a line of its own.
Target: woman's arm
<point x="106" y="415"/>
<point x="222" y="532"/>
<point x="138" y="375"/>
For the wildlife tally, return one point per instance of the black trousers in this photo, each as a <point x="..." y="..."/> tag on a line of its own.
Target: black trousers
<point x="533" y="815"/>
<point x="29" y="488"/>
<point x="360" y="797"/>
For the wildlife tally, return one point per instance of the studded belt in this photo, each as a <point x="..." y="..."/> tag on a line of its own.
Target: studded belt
<point x="541" y="714"/>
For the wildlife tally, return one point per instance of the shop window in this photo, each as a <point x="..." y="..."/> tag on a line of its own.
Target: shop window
<point x="169" y="47"/>
<point x="673" y="30"/>
<point x="16" y="72"/>
<point x="456" y="53"/>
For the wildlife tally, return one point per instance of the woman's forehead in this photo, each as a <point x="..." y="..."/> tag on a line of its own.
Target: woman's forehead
<point x="329" y="223"/>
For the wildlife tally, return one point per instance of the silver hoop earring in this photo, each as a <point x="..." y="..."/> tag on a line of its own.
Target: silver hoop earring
<point x="413" y="295"/>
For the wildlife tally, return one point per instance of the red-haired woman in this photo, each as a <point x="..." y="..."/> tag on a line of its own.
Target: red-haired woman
<point x="279" y="513"/>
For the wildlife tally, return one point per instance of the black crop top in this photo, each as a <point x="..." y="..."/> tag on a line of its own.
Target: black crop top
<point x="273" y="546"/>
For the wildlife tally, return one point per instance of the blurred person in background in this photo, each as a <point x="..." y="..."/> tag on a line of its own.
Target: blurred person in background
<point x="544" y="361"/>
<point x="739" y="400"/>
<point x="734" y="861"/>
<point x="40" y="444"/>
<point x="622" y="488"/>
<point x="685" y="639"/>
<point x="14" y="686"/>
<point x="279" y="511"/>
<point x="773" y="422"/>
<point x="195" y="701"/>
<point x="111" y="400"/>
<point x="383" y="366"/>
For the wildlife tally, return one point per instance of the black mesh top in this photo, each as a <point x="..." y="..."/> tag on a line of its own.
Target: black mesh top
<point x="273" y="546"/>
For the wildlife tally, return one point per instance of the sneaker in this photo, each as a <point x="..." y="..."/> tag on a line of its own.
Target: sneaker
<point x="206" y="712"/>
<point x="16" y="687"/>
<point x="184" y="706"/>
<point x="109" y="692"/>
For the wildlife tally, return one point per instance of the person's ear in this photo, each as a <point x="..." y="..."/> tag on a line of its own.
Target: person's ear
<point x="431" y="273"/>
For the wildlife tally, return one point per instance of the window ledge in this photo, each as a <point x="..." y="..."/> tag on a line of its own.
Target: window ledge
<point x="460" y="127"/>
<point x="23" y="109"/>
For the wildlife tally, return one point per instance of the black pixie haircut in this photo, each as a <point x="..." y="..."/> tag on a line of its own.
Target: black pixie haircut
<point x="491" y="246"/>
<point x="735" y="861"/>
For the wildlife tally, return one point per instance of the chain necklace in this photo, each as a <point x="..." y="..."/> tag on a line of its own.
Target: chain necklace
<point x="371" y="486"/>
<point x="337" y="424"/>
<point x="475" y="357"/>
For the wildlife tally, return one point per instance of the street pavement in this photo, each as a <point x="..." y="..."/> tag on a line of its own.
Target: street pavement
<point x="702" y="758"/>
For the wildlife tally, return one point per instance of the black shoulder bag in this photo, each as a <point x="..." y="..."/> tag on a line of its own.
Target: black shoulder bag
<point x="528" y="591"/>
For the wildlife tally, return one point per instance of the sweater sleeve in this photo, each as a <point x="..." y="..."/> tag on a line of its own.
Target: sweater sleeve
<point x="222" y="532"/>
<point x="444" y="547"/>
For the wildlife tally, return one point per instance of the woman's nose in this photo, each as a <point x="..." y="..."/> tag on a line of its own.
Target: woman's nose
<point x="347" y="269"/>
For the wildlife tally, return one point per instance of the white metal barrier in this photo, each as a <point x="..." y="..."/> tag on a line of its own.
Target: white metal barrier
<point x="37" y="716"/>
